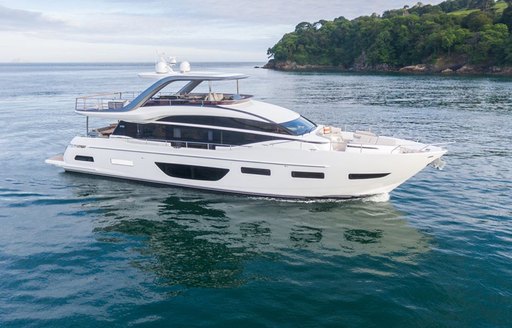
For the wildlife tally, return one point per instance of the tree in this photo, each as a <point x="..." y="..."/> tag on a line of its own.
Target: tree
<point x="484" y="5"/>
<point x="304" y="26"/>
<point x="489" y="45"/>
<point x="427" y="34"/>
<point x="506" y="17"/>
<point x="476" y="21"/>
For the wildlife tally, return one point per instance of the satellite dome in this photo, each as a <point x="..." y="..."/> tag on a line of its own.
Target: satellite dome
<point x="185" y="67"/>
<point x="161" y="67"/>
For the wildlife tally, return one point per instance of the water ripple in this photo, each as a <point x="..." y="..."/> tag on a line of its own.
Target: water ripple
<point x="83" y="251"/>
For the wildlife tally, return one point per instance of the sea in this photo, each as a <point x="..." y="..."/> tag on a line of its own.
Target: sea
<point x="85" y="251"/>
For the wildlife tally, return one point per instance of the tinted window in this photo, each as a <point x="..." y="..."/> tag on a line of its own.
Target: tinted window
<point x="228" y="122"/>
<point x="152" y="131"/>
<point x="240" y="138"/>
<point x="253" y="170"/>
<point x="190" y="134"/>
<point x="192" y="172"/>
<point x="126" y="129"/>
<point x="299" y="126"/>
<point x="358" y="176"/>
<point x="307" y="175"/>
<point x="84" y="158"/>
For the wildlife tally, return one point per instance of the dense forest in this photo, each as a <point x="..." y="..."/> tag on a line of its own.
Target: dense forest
<point x="448" y="35"/>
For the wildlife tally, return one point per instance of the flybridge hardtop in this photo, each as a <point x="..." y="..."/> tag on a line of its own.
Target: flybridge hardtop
<point x="147" y="105"/>
<point x="201" y="138"/>
<point x="88" y="105"/>
<point x="195" y="79"/>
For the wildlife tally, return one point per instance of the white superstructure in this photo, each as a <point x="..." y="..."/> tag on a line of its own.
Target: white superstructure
<point x="229" y="142"/>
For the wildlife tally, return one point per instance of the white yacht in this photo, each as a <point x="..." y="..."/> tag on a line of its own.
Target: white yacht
<point x="230" y="142"/>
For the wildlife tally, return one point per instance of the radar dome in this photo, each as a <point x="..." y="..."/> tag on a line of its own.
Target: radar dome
<point x="185" y="67"/>
<point x="161" y="67"/>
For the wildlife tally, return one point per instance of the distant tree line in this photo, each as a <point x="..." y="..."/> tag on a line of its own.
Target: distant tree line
<point x="476" y="31"/>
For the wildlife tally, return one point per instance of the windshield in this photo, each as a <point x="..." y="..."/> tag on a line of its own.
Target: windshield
<point x="299" y="126"/>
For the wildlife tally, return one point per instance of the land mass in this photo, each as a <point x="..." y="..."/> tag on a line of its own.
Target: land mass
<point x="453" y="37"/>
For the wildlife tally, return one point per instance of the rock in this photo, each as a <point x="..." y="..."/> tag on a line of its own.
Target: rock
<point x="270" y="65"/>
<point x="420" y="68"/>
<point x="505" y="70"/>
<point x="467" y="69"/>
<point x="293" y="66"/>
<point x="446" y="68"/>
<point x="285" y="66"/>
<point x="383" y="68"/>
<point x="360" y="63"/>
<point x="495" y="69"/>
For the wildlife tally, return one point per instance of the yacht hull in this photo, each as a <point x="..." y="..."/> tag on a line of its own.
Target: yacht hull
<point x="261" y="170"/>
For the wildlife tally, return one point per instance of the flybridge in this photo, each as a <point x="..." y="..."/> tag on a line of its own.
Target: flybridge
<point x="112" y="105"/>
<point x="153" y="96"/>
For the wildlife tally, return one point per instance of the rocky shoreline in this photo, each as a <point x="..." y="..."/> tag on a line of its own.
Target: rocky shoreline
<point x="443" y="69"/>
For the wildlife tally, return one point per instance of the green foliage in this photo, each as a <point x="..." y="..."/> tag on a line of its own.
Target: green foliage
<point x="474" y="29"/>
<point x="489" y="45"/>
<point x="506" y="17"/>
<point x="476" y="21"/>
<point x="499" y="7"/>
<point x="463" y="13"/>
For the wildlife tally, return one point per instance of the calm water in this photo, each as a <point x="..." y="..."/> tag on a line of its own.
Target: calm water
<point x="82" y="251"/>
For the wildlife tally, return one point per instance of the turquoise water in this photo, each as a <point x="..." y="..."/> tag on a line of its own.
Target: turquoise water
<point x="76" y="250"/>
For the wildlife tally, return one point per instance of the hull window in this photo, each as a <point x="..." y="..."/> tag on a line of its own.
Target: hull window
<point x="84" y="158"/>
<point x="308" y="175"/>
<point x="192" y="172"/>
<point x="360" y="176"/>
<point x="252" y="170"/>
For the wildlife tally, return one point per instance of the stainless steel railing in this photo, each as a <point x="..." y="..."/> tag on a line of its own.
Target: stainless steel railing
<point x="104" y="101"/>
<point x="189" y="144"/>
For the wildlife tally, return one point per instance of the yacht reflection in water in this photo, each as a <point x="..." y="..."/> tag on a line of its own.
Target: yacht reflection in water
<point x="207" y="240"/>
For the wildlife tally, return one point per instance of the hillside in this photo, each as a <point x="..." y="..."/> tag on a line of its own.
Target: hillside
<point x="464" y="36"/>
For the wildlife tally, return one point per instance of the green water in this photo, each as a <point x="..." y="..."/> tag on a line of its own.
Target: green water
<point x="77" y="250"/>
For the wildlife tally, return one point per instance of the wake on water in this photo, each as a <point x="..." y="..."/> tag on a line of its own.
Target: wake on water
<point x="379" y="198"/>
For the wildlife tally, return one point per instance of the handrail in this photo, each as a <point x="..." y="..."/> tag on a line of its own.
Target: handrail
<point x="209" y="145"/>
<point x="118" y="100"/>
<point x="179" y="143"/>
<point x="422" y="149"/>
<point x="103" y="101"/>
<point x="435" y="145"/>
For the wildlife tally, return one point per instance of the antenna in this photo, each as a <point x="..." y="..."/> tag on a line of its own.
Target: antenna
<point x="164" y="64"/>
